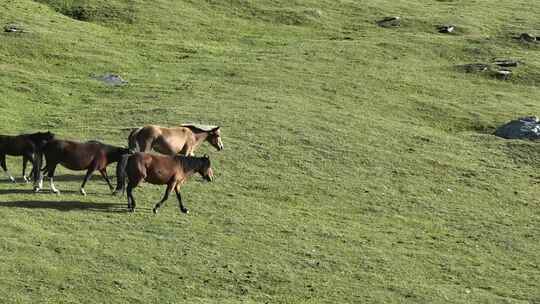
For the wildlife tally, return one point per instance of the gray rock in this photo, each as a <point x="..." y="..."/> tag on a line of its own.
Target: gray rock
<point x="446" y="29"/>
<point x="111" y="79"/>
<point x="506" y="63"/>
<point x="522" y="128"/>
<point x="390" y="22"/>
<point x="526" y="37"/>
<point x="474" y="67"/>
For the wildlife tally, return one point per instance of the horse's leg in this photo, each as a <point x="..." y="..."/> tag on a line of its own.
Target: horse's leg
<point x="4" y="166"/>
<point x="130" y="198"/>
<point x="37" y="171"/>
<point x="106" y="178"/>
<point x="86" y="178"/>
<point x="26" y="158"/>
<point x="50" y="174"/>
<point x="179" y="197"/>
<point x="24" y="162"/>
<point x="170" y="186"/>
<point x="30" y="174"/>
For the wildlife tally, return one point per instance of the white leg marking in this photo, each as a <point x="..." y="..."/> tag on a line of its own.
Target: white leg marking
<point x="11" y="178"/>
<point x="38" y="185"/>
<point x="53" y="188"/>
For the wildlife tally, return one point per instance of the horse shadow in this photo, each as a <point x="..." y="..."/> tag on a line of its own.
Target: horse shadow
<point x="67" y="206"/>
<point x="66" y="177"/>
<point x="57" y="178"/>
<point x="72" y="177"/>
<point x="7" y="181"/>
<point x="15" y="191"/>
<point x="46" y="192"/>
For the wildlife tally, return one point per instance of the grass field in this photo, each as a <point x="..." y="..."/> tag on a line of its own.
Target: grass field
<point x="359" y="165"/>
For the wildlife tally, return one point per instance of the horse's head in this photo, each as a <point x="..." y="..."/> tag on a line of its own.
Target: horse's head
<point x="205" y="170"/>
<point x="42" y="138"/>
<point x="47" y="136"/>
<point x="214" y="138"/>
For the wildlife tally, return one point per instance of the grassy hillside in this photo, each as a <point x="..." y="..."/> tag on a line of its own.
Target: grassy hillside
<point x="359" y="165"/>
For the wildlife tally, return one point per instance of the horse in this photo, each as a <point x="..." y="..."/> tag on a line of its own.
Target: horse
<point x="25" y="145"/>
<point x="179" y="140"/>
<point x="90" y="156"/>
<point x="159" y="169"/>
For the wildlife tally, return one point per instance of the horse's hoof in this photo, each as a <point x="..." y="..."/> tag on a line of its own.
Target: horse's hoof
<point x="36" y="189"/>
<point x="26" y="180"/>
<point x="56" y="192"/>
<point x="185" y="210"/>
<point x="12" y="179"/>
<point x="114" y="193"/>
<point x="154" y="210"/>
<point x="83" y="192"/>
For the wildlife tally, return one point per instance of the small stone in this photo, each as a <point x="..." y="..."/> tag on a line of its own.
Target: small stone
<point x="390" y="22"/>
<point x="503" y="74"/>
<point x="13" y="28"/>
<point x="111" y="79"/>
<point x="506" y="63"/>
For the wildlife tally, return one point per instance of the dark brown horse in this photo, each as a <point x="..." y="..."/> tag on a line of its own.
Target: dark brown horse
<point x="171" y="141"/>
<point x="25" y="145"/>
<point x="89" y="156"/>
<point x="180" y="140"/>
<point x="157" y="169"/>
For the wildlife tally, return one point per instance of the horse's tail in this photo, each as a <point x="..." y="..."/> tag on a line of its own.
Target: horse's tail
<point x="133" y="143"/>
<point x="121" y="173"/>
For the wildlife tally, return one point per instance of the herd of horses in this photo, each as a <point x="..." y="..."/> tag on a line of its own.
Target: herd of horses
<point x="157" y="155"/>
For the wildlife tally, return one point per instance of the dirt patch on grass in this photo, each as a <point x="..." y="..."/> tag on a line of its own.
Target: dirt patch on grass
<point x="297" y="16"/>
<point x="95" y="10"/>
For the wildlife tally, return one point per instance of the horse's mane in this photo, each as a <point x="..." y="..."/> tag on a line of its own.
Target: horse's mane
<point x="40" y="136"/>
<point x="193" y="162"/>
<point x="109" y="148"/>
<point x="199" y="127"/>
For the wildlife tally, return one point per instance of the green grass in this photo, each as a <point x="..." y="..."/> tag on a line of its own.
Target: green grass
<point x="359" y="165"/>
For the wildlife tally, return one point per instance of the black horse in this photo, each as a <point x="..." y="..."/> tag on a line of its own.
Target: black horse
<point x="25" y="145"/>
<point x="90" y="156"/>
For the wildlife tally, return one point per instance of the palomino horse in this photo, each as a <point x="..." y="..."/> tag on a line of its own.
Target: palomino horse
<point x="157" y="169"/>
<point x="25" y="145"/>
<point x="89" y="156"/>
<point x="180" y="140"/>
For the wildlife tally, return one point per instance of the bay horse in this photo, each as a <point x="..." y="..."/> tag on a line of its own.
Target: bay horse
<point x="90" y="156"/>
<point x="25" y="145"/>
<point x="159" y="169"/>
<point x="179" y="140"/>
